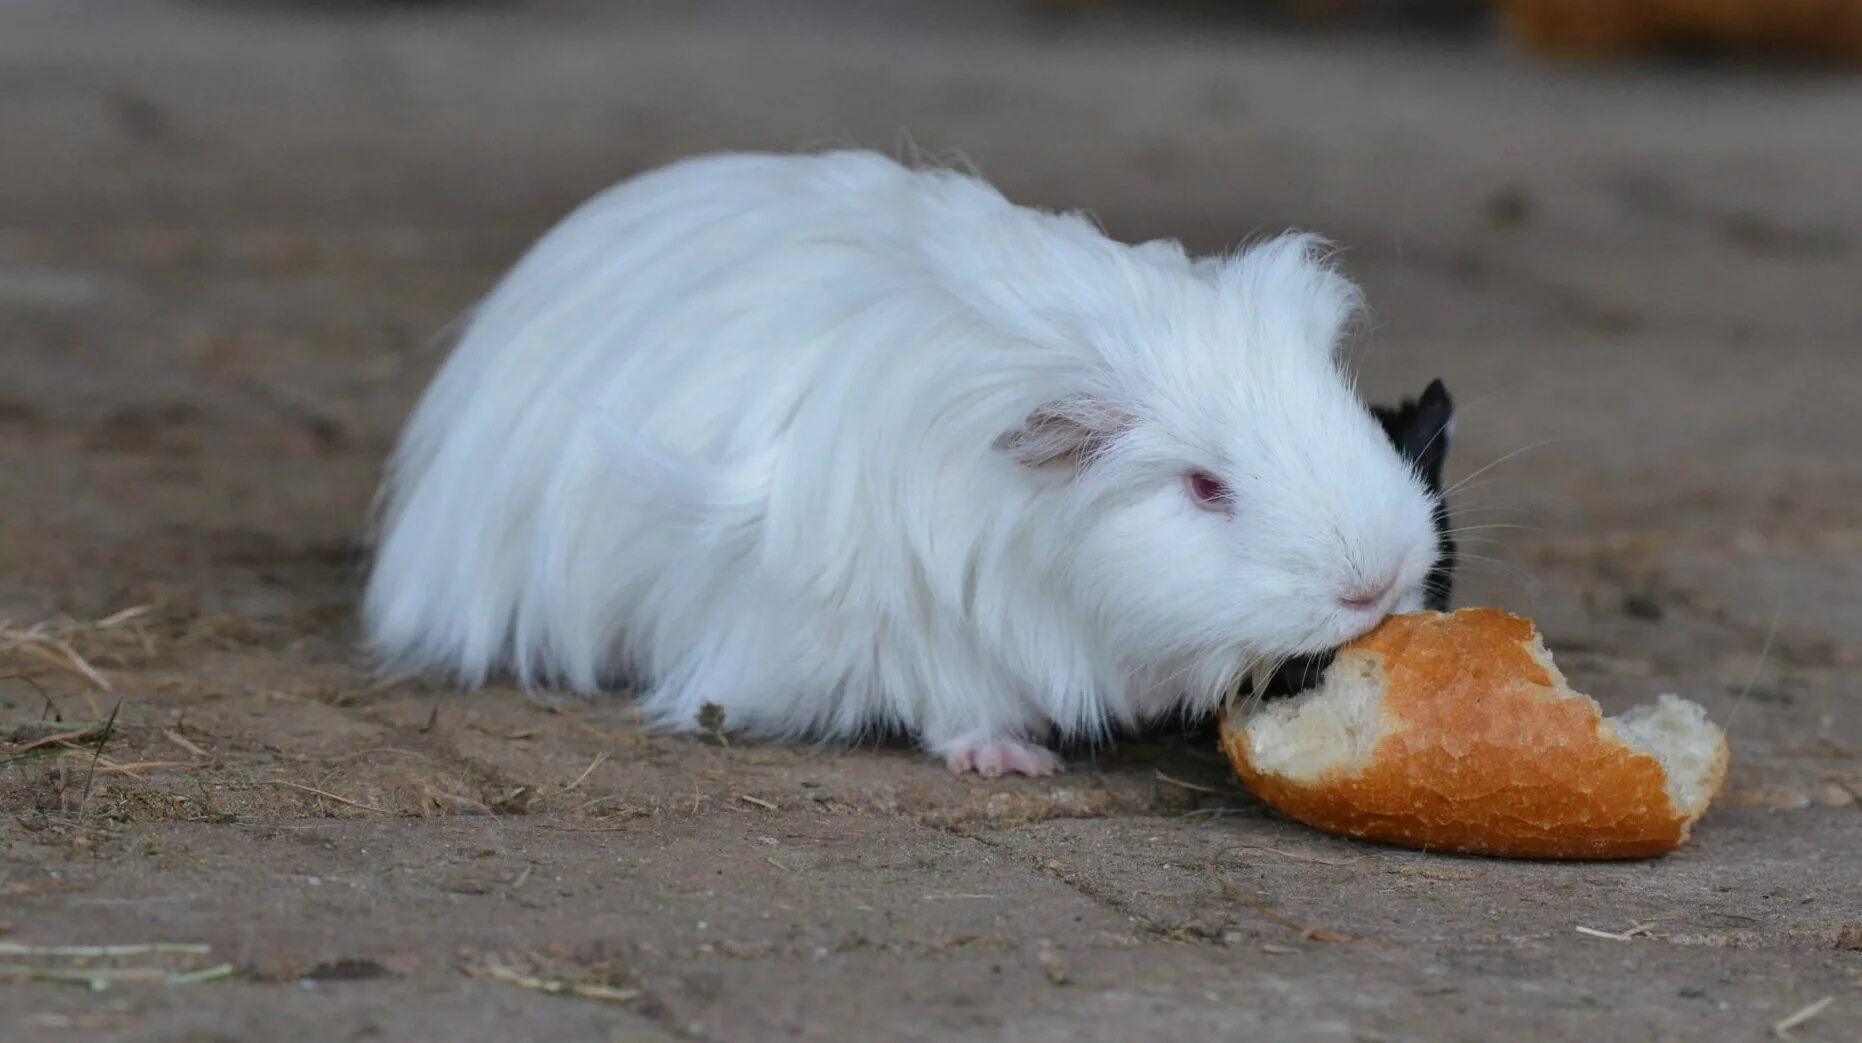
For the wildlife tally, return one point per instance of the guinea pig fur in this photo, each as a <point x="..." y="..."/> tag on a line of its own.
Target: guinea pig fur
<point x="1421" y="429"/>
<point x="845" y="447"/>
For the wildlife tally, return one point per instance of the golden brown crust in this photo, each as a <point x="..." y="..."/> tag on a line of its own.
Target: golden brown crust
<point x="1481" y="754"/>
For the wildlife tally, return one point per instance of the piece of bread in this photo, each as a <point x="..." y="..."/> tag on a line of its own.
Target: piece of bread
<point x="1455" y="732"/>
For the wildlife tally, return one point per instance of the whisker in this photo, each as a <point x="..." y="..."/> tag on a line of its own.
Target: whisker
<point x="1523" y="584"/>
<point x="1467" y="485"/>
<point x="1497" y="525"/>
<point x="1481" y="559"/>
<point x="1426" y="446"/>
<point x="1482" y="541"/>
<point x="1503" y="570"/>
<point x="1171" y="682"/>
<point x="1770" y="633"/>
<point x="1479" y="508"/>
<point x="1467" y="478"/>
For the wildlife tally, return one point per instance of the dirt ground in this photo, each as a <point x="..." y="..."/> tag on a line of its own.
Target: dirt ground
<point x="230" y="233"/>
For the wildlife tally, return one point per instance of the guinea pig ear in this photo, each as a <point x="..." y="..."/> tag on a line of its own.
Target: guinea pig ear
<point x="1068" y="430"/>
<point x="1421" y="428"/>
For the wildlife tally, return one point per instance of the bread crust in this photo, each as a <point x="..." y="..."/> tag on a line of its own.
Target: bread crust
<point x="1483" y="751"/>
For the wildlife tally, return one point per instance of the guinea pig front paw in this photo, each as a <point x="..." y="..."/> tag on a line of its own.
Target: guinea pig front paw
<point x="994" y="758"/>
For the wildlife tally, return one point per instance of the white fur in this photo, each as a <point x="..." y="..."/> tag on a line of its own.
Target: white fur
<point x="733" y="430"/>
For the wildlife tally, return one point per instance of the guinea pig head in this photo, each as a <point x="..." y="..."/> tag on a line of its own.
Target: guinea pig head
<point x="1421" y="429"/>
<point x="1229" y="502"/>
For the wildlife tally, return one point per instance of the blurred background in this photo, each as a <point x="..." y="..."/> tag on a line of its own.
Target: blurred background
<point x="1627" y="233"/>
<point x="1624" y="231"/>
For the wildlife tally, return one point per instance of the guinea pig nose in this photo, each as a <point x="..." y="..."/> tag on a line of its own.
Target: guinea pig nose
<point x="1363" y="599"/>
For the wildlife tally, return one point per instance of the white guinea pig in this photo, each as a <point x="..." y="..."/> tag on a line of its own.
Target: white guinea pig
<point x="844" y="447"/>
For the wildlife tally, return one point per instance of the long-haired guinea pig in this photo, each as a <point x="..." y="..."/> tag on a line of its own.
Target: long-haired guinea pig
<point x="846" y="447"/>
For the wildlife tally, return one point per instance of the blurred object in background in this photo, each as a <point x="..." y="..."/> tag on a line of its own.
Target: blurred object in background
<point x="1320" y="13"/>
<point x="1824" y="30"/>
<point x="1820" y="31"/>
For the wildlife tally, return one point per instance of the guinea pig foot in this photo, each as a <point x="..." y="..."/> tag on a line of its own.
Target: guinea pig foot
<point x="994" y="758"/>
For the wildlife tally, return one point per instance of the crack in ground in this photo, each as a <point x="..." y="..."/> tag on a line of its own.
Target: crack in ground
<point x="1189" y="932"/>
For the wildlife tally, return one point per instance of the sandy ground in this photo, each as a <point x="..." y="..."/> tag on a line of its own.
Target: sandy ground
<point x="230" y="232"/>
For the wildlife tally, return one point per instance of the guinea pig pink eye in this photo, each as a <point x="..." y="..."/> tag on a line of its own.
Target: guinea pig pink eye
<point x="1208" y="492"/>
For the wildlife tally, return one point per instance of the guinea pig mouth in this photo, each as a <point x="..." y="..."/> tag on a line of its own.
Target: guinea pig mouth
<point x="1303" y="670"/>
<point x="1293" y="676"/>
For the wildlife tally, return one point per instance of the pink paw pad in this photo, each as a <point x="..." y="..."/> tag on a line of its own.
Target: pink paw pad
<point x="994" y="758"/>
